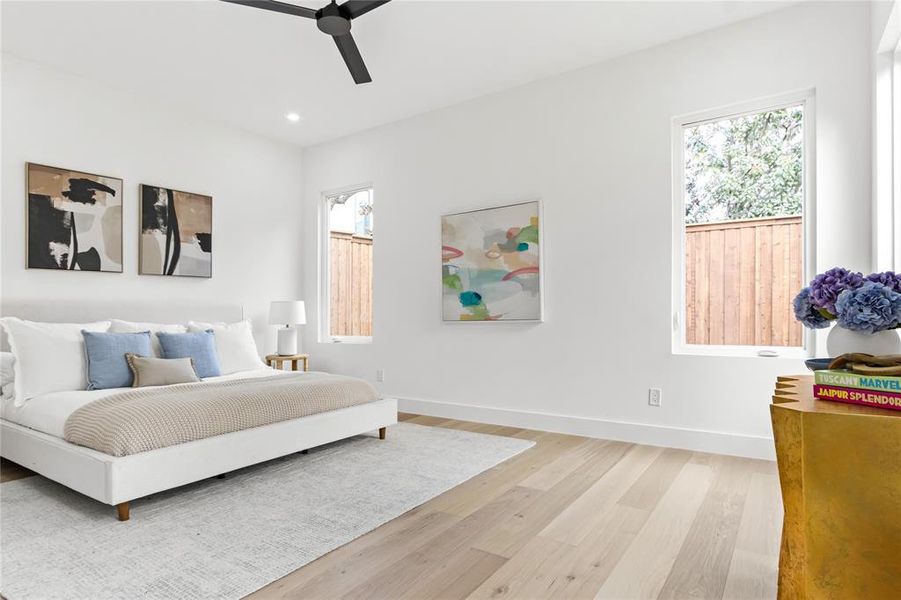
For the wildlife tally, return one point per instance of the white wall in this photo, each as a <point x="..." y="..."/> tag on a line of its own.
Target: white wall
<point x="53" y="118"/>
<point x="595" y="146"/>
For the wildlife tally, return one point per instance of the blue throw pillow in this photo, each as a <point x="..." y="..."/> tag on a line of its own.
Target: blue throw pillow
<point x="201" y="346"/>
<point x="107" y="367"/>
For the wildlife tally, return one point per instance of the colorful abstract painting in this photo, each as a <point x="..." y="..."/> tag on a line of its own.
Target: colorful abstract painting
<point x="176" y="233"/>
<point x="74" y="220"/>
<point x="491" y="264"/>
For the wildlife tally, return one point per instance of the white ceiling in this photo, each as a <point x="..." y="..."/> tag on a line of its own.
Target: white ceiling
<point x="250" y="67"/>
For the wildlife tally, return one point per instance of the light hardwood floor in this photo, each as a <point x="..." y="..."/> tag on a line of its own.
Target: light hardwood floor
<point x="569" y="518"/>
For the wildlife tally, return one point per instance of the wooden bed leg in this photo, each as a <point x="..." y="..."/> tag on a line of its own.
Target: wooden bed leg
<point x="382" y="432"/>
<point x="122" y="509"/>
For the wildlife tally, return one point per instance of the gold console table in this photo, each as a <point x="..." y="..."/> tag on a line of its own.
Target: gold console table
<point x="840" y="473"/>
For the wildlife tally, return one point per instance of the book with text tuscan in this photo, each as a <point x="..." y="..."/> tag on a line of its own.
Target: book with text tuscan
<point x="848" y="379"/>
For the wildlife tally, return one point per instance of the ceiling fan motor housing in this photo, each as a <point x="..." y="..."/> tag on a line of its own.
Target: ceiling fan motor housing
<point x="332" y="20"/>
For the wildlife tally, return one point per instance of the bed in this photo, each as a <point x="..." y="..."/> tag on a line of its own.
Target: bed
<point x="33" y="435"/>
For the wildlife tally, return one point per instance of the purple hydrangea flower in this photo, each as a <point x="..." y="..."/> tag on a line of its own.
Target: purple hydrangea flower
<point x="826" y="287"/>
<point x="887" y="278"/>
<point x="870" y="308"/>
<point x="808" y="314"/>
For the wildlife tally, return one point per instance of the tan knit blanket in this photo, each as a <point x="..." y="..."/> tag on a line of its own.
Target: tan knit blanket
<point x="155" y="417"/>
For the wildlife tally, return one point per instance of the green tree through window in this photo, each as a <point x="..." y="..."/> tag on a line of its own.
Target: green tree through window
<point x="744" y="167"/>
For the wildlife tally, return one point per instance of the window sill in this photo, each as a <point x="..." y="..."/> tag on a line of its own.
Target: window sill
<point x="347" y="340"/>
<point x="763" y="352"/>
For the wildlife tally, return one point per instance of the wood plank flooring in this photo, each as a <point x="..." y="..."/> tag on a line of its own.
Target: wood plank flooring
<point x="569" y="518"/>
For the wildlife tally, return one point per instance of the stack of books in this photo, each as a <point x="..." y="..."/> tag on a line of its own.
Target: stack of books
<point x="868" y="390"/>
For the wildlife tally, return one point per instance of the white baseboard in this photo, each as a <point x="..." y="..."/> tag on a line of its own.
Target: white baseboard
<point x="715" y="442"/>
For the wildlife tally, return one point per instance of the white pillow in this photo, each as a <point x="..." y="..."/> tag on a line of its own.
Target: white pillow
<point x="132" y="327"/>
<point x="234" y="344"/>
<point x="49" y="356"/>
<point x="7" y="375"/>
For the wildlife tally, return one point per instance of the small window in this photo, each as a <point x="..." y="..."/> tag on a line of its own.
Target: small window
<point x="741" y="237"/>
<point x="346" y="285"/>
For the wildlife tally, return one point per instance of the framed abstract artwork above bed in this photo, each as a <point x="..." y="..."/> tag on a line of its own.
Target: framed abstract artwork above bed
<point x="176" y="233"/>
<point x="74" y="220"/>
<point x="491" y="264"/>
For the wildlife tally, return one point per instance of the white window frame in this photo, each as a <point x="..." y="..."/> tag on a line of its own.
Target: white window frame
<point x="894" y="175"/>
<point x="324" y="275"/>
<point x="679" y="123"/>
<point x="887" y="146"/>
<point x="895" y="165"/>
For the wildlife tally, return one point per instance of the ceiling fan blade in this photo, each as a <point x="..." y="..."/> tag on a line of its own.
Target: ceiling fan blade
<point x="274" y="5"/>
<point x="355" y="8"/>
<point x="351" y="55"/>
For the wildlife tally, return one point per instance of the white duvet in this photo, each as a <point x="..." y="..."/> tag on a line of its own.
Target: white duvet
<point x="48" y="413"/>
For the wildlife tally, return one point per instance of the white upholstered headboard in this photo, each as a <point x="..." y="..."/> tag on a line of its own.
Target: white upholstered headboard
<point x="63" y="311"/>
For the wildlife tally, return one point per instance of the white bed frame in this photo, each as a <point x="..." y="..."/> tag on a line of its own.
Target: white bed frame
<point x="118" y="480"/>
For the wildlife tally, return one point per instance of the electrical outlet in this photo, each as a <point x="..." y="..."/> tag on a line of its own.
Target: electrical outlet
<point x="654" y="396"/>
<point x="380" y="375"/>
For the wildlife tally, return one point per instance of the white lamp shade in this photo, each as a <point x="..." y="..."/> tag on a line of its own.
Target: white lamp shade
<point x="287" y="312"/>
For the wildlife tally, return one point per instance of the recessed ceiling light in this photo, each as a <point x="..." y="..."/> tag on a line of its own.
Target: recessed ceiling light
<point x="293" y="117"/>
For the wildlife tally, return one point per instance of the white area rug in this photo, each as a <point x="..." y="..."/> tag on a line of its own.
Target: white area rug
<point x="226" y="538"/>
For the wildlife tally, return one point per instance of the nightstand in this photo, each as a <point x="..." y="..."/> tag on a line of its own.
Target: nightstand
<point x="277" y="361"/>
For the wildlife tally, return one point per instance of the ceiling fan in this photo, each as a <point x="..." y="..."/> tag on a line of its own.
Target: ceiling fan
<point x="334" y="20"/>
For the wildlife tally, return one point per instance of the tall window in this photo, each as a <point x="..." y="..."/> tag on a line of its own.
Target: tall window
<point x="741" y="187"/>
<point x="347" y="266"/>
<point x="887" y="156"/>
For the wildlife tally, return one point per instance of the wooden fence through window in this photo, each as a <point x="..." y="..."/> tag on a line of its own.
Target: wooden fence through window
<point x="740" y="279"/>
<point x="350" y="276"/>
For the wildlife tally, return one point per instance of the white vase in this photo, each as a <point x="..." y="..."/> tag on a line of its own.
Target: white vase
<point x="842" y="341"/>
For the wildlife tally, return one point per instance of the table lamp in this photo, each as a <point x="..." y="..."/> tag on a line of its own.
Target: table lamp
<point x="288" y="313"/>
